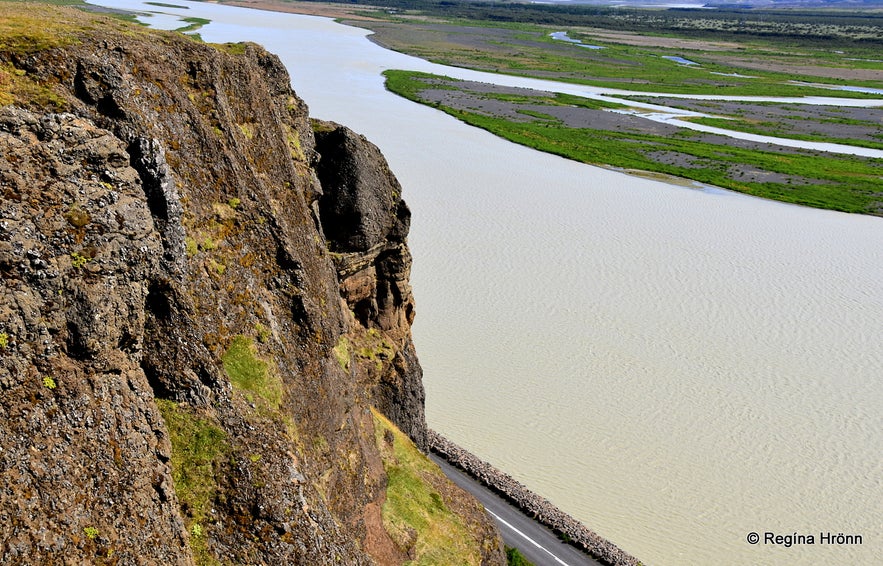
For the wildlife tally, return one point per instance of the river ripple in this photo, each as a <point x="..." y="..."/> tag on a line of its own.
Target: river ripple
<point x="674" y="367"/>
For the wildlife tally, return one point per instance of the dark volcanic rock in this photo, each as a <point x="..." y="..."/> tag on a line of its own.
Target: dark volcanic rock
<point x="362" y="205"/>
<point x="366" y="223"/>
<point x="170" y="302"/>
<point x="82" y="443"/>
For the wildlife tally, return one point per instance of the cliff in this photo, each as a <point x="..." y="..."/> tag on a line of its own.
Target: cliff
<point x="204" y="297"/>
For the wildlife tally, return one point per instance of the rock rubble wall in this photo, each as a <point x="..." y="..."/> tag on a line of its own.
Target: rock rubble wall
<point x="530" y="503"/>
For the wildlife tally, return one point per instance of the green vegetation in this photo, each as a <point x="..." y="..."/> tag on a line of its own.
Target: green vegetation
<point x="231" y="48"/>
<point x="768" y="54"/>
<point x="263" y="333"/>
<point x="77" y="217"/>
<point x="320" y="126"/>
<point x="4" y="340"/>
<point x="804" y="27"/>
<point x="49" y="382"/>
<point x="251" y="374"/>
<point x="78" y="260"/>
<point x="191" y="248"/>
<point x="25" y="31"/>
<point x="51" y="2"/>
<point x="845" y="183"/>
<point x="164" y="5"/>
<point x="27" y="28"/>
<point x="631" y="68"/>
<point x="199" y="447"/>
<point x="342" y="353"/>
<point x="414" y="513"/>
<point x="216" y="267"/>
<point x="90" y="532"/>
<point x="372" y="346"/>
<point x="515" y="558"/>
<point x="775" y="129"/>
<point x="194" y="24"/>
<point x="16" y="87"/>
<point x="208" y="244"/>
<point x="367" y="345"/>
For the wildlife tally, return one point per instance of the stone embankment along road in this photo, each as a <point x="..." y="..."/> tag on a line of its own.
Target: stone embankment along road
<point x="541" y="509"/>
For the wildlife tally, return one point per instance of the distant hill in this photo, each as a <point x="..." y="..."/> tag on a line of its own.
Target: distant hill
<point x="725" y="4"/>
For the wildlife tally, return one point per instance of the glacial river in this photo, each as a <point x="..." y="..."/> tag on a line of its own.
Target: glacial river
<point x="675" y="367"/>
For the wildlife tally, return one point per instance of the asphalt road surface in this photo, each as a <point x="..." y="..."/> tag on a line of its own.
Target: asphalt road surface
<point x="536" y="542"/>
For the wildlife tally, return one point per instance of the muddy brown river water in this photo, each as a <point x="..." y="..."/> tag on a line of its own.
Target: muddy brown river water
<point x="677" y="368"/>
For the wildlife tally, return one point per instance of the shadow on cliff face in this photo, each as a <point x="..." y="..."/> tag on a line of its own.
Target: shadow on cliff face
<point x="183" y="376"/>
<point x="366" y="223"/>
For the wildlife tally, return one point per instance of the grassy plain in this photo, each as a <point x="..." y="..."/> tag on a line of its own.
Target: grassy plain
<point x="627" y="60"/>
<point x="770" y="53"/>
<point x="739" y="52"/>
<point x="862" y="127"/>
<point x="774" y="54"/>
<point x="584" y="131"/>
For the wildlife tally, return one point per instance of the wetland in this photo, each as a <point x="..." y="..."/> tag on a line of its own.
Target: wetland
<point x="599" y="132"/>
<point x="650" y="53"/>
<point x="680" y="367"/>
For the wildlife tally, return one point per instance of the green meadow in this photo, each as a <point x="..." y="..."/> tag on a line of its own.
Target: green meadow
<point x="838" y="182"/>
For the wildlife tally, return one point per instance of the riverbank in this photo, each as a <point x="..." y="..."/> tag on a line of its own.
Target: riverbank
<point x="666" y="353"/>
<point x="325" y="10"/>
<point x="786" y="167"/>
<point x="599" y="132"/>
<point x="540" y="508"/>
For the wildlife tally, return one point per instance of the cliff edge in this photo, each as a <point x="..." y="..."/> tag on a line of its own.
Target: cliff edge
<point x="205" y="295"/>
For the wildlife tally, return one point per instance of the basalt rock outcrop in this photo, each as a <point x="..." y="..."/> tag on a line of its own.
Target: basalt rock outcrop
<point x="366" y="223"/>
<point x="200" y="305"/>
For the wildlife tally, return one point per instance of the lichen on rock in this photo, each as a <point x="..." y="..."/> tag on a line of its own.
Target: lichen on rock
<point x="366" y="223"/>
<point x="173" y="214"/>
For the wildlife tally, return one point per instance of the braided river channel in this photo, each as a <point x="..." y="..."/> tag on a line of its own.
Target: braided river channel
<point x="676" y="367"/>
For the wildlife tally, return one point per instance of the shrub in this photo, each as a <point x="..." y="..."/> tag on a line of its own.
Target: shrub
<point x="515" y="558"/>
<point x="78" y="260"/>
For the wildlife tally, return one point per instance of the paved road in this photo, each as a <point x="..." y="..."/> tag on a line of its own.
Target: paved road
<point x="536" y="542"/>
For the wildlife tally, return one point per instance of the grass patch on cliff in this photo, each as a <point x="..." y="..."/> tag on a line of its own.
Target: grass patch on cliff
<point x="24" y="29"/>
<point x="342" y="353"/>
<point x="16" y="87"/>
<point x="199" y="447"/>
<point x="231" y="48"/>
<point x="372" y="346"/>
<point x="251" y="374"/>
<point x="366" y="345"/>
<point x="414" y="513"/>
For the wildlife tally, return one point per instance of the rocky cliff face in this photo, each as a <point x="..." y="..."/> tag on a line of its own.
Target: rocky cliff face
<point x="202" y="300"/>
<point x="366" y="223"/>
